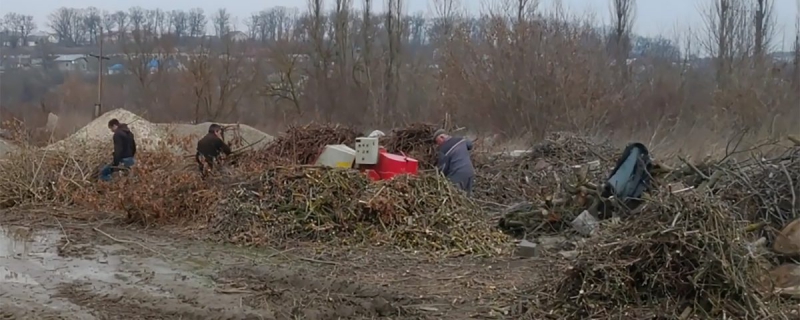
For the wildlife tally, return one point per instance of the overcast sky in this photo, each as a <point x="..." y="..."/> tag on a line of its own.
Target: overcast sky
<point x="653" y="16"/>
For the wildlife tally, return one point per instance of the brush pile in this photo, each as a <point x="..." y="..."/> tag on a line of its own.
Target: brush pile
<point x="157" y="190"/>
<point x="416" y="141"/>
<point x="764" y="190"/>
<point x="31" y="175"/>
<point x="323" y="204"/>
<point x="544" y="190"/>
<point x="684" y="254"/>
<point x="543" y="171"/>
<point x="302" y="144"/>
<point x="569" y="148"/>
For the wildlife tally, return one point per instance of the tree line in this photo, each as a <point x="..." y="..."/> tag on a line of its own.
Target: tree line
<point x="74" y="27"/>
<point x="512" y="68"/>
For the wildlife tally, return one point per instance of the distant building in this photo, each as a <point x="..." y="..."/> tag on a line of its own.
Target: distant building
<point x="72" y="62"/>
<point x="169" y="65"/>
<point x="116" y="69"/>
<point x="15" y="39"/>
<point x="39" y="38"/>
<point x="236" y="36"/>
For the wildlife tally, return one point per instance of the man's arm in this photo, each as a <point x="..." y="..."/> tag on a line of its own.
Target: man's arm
<point x="469" y="143"/>
<point x="441" y="163"/>
<point x="221" y="145"/>
<point x="119" y="146"/>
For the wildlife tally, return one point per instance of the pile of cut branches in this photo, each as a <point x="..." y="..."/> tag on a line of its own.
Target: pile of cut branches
<point x="323" y="204"/>
<point x="39" y="176"/>
<point x="416" y="141"/>
<point x="765" y="190"/>
<point x="302" y="144"/>
<point x="544" y="190"/>
<point x="683" y="255"/>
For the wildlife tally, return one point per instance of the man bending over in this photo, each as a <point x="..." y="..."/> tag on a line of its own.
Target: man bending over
<point x="124" y="149"/>
<point x="454" y="159"/>
<point x="210" y="146"/>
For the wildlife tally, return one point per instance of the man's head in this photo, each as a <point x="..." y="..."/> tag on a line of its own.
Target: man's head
<point x="440" y="136"/>
<point x="113" y="124"/>
<point x="215" y="129"/>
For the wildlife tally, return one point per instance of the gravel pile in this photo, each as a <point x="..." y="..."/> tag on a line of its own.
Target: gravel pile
<point x="196" y="131"/>
<point x="148" y="135"/>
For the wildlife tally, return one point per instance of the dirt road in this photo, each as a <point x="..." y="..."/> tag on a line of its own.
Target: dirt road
<point x="54" y="269"/>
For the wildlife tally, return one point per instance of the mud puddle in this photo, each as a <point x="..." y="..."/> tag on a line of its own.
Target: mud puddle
<point x="36" y="282"/>
<point x="88" y="273"/>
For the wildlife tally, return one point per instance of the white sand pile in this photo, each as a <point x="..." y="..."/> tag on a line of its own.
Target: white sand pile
<point x="148" y="136"/>
<point x="249" y="134"/>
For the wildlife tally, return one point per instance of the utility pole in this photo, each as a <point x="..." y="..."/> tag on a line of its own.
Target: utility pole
<point x="98" y="107"/>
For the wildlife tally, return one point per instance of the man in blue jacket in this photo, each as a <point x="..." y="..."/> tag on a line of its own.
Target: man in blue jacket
<point x="454" y="160"/>
<point x="124" y="149"/>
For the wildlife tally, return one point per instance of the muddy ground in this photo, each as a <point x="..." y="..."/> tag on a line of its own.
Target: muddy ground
<point x="53" y="266"/>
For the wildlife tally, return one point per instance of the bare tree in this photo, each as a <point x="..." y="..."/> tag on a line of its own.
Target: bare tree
<point x="253" y="24"/>
<point x="197" y="23"/>
<point x="67" y="24"/>
<point x="138" y="18"/>
<point x="179" y="23"/>
<point x="797" y="48"/>
<point x="109" y="22"/>
<point x="92" y="22"/>
<point x="764" y="26"/>
<point x="341" y="29"/>
<point x="418" y="29"/>
<point x="18" y="27"/>
<point x="283" y="20"/>
<point x="441" y="30"/>
<point x="221" y="80"/>
<point x="121" y="20"/>
<point x="394" y="31"/>
<point x="367" y="32"/>
<point x="321" y="57"/>
<point x="222" y="22"/>
<point x="143" y="59"/>
<point x="150" y="26"/>
<point x="287" y="83"/>
<point x="268" y="25"/>
<point x="8" y="26"/>
<point x="200" y="74"/>
<point x="622" y="14"/>
<point x="724" y="22"/>
<point x="157" y="19"/>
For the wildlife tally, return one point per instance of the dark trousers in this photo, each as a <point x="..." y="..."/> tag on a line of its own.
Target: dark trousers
<point x="209" y="161"/>
<point x="464" y="183"/>
<point x="108" y="170"/>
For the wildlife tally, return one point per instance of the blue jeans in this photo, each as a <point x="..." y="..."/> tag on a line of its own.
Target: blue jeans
<point x="108" y="170"/>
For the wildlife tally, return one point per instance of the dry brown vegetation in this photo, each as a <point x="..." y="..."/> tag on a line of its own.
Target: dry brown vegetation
<point x="515" y="70"/>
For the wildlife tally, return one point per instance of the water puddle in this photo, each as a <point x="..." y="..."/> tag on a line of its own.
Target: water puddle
<point x="31" y="257"/>
<point x="20" y="242"/>
<point x="32" y="273"/>
<point x="7" y="275"/>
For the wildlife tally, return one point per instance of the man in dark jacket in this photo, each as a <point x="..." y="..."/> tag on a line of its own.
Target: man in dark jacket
<point x="124" y="149"/>
<point x="210" y="146"/>
<point x="454" y="159"/>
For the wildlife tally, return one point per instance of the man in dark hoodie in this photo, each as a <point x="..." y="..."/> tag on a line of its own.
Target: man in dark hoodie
<point x="210" y="146"/>
<point x="124" y="149"/>
<point x="454" y="160"/>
